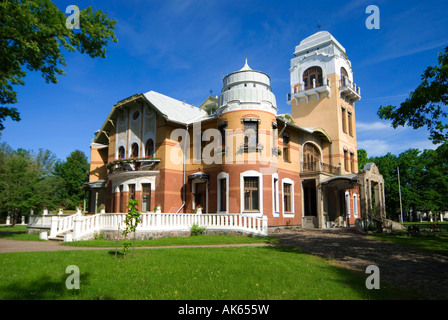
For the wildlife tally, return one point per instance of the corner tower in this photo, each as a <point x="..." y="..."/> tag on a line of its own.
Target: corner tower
<point x="247" y="113"/>
<point x="323" y="94"/>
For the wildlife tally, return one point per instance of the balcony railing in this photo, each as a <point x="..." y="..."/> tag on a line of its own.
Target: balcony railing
<point x="317" y="166"/>
<point x="349" y="89"/>
<point x="134" y="164"/>
<point x="302" y="91"/>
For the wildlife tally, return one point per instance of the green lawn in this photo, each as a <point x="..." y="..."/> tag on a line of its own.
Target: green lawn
<point x="426" y="239"/>
<point x="239" y="273"/>
<point x="17" y="232"/>
<point x="437" y="243"/>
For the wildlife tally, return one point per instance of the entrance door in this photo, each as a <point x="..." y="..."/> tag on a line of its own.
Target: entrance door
<point x="309" y="203"/>
<point x="200" y="196"/>
<point x="146" y="197"/>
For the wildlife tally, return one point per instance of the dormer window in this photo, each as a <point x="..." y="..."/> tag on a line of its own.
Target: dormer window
<point x="251" y="132"/>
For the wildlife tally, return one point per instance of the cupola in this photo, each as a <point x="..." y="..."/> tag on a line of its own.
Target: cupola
<point x="247" y="89"/>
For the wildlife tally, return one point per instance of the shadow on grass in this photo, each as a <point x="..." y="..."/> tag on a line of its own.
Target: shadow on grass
<point x="47" y="287"/>
<point x="338" y="276"/>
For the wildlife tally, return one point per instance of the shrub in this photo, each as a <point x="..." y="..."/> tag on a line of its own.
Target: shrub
<point x="196" y="230"/>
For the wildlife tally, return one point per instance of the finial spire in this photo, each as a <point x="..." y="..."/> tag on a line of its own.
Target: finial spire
<point x="246" y="66"/>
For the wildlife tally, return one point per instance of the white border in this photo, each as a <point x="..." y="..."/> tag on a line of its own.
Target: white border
<point x="292" y="213"/>
<point x="246" y="174"/>
<point x="223" y="175"/>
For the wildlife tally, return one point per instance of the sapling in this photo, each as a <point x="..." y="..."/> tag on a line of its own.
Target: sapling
<point x="131" y="221"/>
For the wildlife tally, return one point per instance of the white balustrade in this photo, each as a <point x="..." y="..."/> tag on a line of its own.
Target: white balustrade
<point x="83" y="226"/>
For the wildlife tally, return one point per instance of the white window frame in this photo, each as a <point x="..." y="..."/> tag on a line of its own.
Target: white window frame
<point x="275" y="196"/>
<point x="355" y="206"/>
<point x="347" y="204"/>
<point x="223" y="175"/>
<point x="292" y="213"/>
<point x="251" y="174"/>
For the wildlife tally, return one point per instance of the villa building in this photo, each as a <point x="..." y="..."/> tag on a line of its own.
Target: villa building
<point x="235" y="154"/>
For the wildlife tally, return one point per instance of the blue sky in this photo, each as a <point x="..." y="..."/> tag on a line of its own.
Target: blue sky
<point x="184" y="48"/>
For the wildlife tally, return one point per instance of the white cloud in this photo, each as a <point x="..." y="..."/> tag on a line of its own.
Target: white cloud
<point x="372" y="126"/>
<point x="375" y="147"/>
<point x="379" y="147"/>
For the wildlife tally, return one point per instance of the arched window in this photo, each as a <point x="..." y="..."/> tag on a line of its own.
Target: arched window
<point x="312" y="77"/>
<point x="121" y="153"/>
<point x="311" y="157"/>
<point x="149" y="148"/>
<point x="134" y="150"/>
<point x="344" y="76"/>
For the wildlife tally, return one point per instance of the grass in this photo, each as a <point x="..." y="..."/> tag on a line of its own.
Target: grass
<point x="176" y="241"/>
<point x="437" y="243"/>
<point x="232" y="273"/>
<point x="17" y="232"/>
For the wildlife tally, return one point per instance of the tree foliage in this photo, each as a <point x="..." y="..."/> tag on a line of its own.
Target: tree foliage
<point x="74" y="173"/>
<point x="423" y="180"/>
<point x="426" y="105"/>
<point x="32" y="36"/>
<point x="38" y="179"/>
<point x="26" y="181"/>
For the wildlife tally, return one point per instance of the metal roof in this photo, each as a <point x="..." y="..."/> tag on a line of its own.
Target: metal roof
<point x="173" y="109"/>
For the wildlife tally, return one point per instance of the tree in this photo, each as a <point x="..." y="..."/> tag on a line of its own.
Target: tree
<point x="426" y="105"/>
<point x="74" y="173"/>
<point x="423" y="180"/>
<point x="32" y="34"/>
<point x="362" y="159"/>
<point x="18" y="174"/>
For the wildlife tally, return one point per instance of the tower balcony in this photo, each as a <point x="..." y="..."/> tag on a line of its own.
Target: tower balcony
<point x="349" y="90"/>
<point x="319" y="167"/>
<point x="302" y="91"/>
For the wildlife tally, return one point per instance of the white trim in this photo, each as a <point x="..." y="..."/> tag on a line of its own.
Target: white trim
<point x="292" y="213"/>
<point x="223" y="175"/>
<point x="347" y="204"/>
<point x="193" y="190"/>
<point x="355" y="206"/>
<point x="247" y="174"/>
<point x="275" y="196"/>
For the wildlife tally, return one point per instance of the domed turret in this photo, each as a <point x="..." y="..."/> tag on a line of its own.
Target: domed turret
<point x="247" y="89"/>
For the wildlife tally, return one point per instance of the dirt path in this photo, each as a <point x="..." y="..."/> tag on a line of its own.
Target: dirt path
<point x="401" y="266"/>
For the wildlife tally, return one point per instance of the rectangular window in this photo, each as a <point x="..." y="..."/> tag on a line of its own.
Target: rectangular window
<point x="223" y="195"/>
<point x="352" y="161"/>
<point x="350" y="127"/>
<point x="251" y="194"/>
<point x="251" y="133"/>
<point x="287" y="197"/>
<point x="146" y="197"/>
<point x="344" y="121"/>
<point x="132" y="191"/>
<point x="346" y="161"/>
<point x="286" y="147"/>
